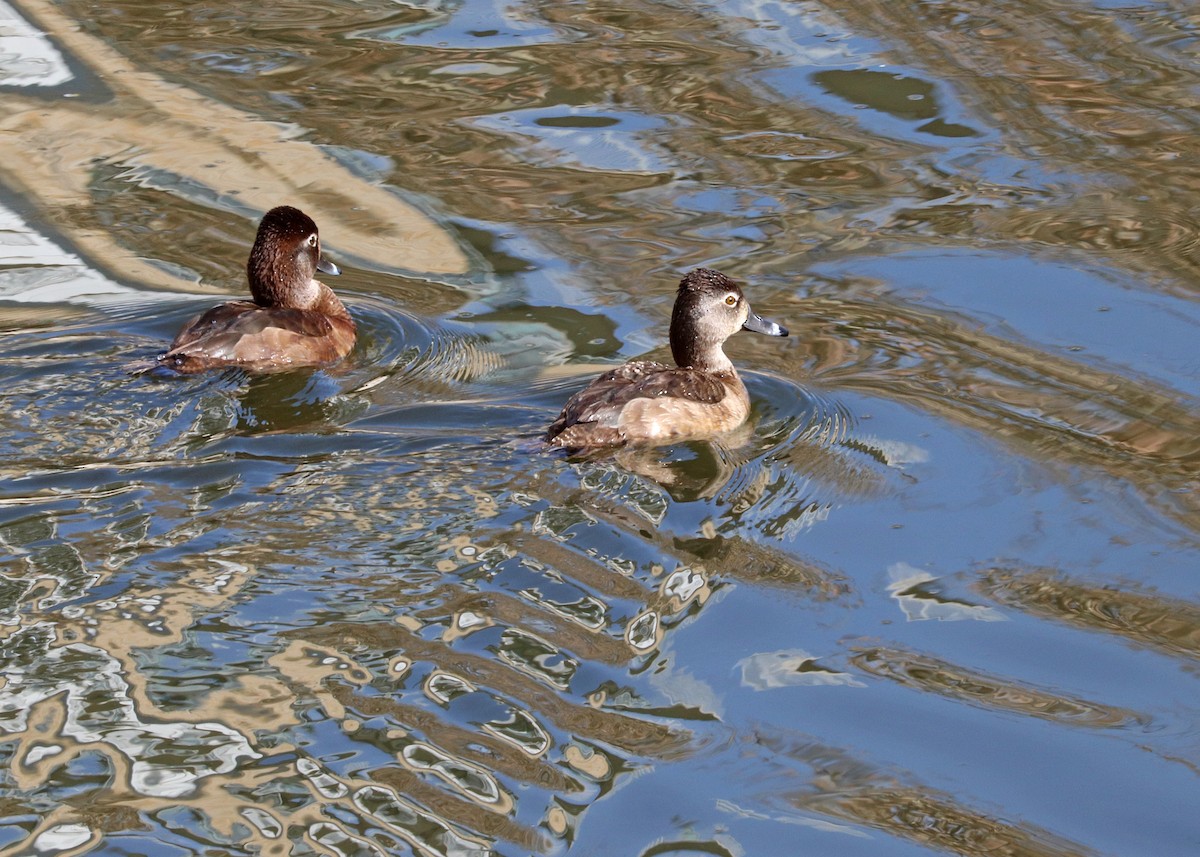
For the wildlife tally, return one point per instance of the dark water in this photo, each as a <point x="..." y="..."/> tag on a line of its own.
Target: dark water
<point x="939" y="596"/>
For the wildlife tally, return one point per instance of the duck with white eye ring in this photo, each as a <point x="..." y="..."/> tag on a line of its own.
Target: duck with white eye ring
<point x="648" y="402"/>
<point x="294" y="320"/>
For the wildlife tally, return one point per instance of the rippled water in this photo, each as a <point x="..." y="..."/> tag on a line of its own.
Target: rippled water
<point x="938" y="596"/>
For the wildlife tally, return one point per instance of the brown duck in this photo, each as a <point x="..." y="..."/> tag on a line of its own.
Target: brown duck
<point x="646" y="402"/>
<point x="294" y="319"/>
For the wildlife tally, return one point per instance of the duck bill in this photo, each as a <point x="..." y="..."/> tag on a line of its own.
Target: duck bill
<point x="327" y="267"/>
<point x="760" y="325"/>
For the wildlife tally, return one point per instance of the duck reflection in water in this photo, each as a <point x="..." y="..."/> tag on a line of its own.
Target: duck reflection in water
<point x="693" y="469"/>
<point x="648" y="403"/>
<point x="294" y="320"/>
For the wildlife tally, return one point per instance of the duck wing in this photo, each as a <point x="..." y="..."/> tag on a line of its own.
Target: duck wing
<point x="243" y="333"/>
<point x="653" y="380"/>
<point x="602" y="401"/>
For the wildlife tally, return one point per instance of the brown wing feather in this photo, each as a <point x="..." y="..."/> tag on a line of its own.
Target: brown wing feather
<point x="244" y="334"/>
<point x="596" y="409"/>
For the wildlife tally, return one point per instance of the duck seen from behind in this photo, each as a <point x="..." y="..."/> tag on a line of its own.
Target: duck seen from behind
<point x="647" y="402"/>
<point x="294" y="320"/>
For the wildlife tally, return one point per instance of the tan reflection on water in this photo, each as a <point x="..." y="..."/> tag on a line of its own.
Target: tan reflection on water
<point x="615" y="729"/>
<point x="935" y="675"/>
<point x="845" y="790"/>
<point x="1168" y="625"/>
<point x="49" y="149"/>
<point x="450" y="788"/>
<point x="400" y="802"/>
<point x="1035" y="73"/>
<point x="1076" y="89"/>
<point x="937" y="820"/>
<point x="1084" y="96"/>
<point x="118" y="717"/>
<point x="1055" y="408"/>
<point x="755" y="562"/>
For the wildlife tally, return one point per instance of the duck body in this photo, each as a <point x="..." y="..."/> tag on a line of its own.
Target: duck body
<point x="294" y="320"/>
<point x="648" y="402"/>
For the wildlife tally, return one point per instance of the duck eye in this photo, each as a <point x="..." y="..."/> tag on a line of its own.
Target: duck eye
<point x="312" y="240"/>
<point x="731" y="300"/>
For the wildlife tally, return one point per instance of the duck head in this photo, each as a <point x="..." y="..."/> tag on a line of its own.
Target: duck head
<point x="285" y="259"/>
<point x="710" y="308"/>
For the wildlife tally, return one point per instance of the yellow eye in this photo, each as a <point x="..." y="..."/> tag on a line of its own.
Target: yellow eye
<point x="731" y="300"/>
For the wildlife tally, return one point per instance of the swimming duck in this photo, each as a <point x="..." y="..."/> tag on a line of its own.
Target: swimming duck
<point x="701" y="395"/>
<point x="294" y="319"/>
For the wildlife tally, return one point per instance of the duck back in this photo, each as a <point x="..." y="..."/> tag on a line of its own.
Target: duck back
<point x="260" y="339"/>
<point x="641" y="398"/>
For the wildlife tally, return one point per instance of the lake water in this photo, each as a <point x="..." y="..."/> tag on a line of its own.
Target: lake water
<point x="939" y="596"/>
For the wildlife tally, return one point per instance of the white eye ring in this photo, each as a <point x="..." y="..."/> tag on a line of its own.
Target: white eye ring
<point x="731" y="300"/>
<point x="312" y="240"/>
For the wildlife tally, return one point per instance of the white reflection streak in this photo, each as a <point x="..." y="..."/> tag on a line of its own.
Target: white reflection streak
<point x="627" y="145"/>
<point x="33" y="269"/>
<point x="62" y="837"/>
<point x="790" y="667"/>
<point x="731" y="807"/>
<point x="922" y="604"/>
<point x="99" y="710"/>
<point x="807" y="33"/>
<point x="27" y="58"/>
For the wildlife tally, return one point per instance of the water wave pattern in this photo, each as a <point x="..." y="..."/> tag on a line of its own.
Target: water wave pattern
<point x="937" y="596"/>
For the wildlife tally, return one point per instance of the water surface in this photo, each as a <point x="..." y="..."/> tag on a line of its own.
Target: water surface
<point x="938" y="596"/>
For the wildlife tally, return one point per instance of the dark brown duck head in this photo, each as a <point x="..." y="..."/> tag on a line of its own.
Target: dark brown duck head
<point x="285" y="259"/>
<point x="709" y="309"/>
